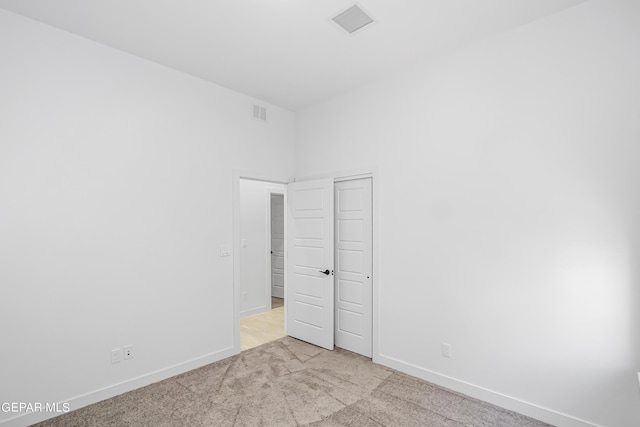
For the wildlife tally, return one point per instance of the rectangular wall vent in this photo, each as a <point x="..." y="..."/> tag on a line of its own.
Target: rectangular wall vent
<point x="353" y="19"/>
<point x="259" y="113"/>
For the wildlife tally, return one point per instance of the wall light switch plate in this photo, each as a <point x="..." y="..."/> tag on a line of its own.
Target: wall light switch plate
<point x="116" y="355"/>
<point x="225" y="250"/>
<point x="446" y="349"/>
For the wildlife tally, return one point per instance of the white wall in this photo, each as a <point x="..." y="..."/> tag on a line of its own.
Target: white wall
<point x="509" y="206"/>
<point x="115" y="196"/>
<point x="254" y="203"/>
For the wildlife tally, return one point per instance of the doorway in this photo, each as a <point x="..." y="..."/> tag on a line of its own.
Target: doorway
<point x="261" y="254"/>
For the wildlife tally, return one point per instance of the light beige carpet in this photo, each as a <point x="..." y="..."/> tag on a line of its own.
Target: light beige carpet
<point x="290" y="383"/>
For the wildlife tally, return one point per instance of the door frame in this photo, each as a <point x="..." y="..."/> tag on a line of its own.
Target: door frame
<point x="344" y="175"/>
<point x="237" y="241"/>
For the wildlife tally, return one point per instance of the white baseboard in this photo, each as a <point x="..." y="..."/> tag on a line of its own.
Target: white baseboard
<point x="95" y="396"/>
<point x="525" y="408"/>
<point x="254" y="311"/>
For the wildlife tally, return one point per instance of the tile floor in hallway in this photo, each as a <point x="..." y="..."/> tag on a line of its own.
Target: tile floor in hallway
<point x="264" y="327"/>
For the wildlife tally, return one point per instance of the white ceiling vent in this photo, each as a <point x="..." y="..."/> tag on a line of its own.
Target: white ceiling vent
<point x="259" y="113"/>
<point x="353" y="19"/>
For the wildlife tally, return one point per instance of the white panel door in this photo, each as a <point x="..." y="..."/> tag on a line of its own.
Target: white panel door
<point x="309" y="293"/>
<point x="277" y="245"/>
<point x="353" y="291"/>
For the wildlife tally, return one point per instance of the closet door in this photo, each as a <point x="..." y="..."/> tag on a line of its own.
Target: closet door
<point x="353" y="263"/>
<point x="309" y="290"/>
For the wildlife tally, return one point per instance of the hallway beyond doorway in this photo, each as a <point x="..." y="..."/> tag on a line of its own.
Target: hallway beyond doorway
<point x="264" y="327"/>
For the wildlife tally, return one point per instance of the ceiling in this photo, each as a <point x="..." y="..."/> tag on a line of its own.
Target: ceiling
<point x="285" y="52"/>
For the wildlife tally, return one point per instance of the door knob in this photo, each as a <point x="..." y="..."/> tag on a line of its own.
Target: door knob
<point x="326" y="272"/>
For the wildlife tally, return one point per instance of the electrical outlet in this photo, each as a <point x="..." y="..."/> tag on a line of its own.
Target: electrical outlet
<point x="446" y="349"/>
<point x="244" y="296"/>
<point x="116" y="356"/>
<point x="127" y="352"/>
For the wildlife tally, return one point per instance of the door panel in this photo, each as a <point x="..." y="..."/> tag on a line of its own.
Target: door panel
<point x="353" y="261"/>
<point x="309" y="299"/>
<point x="349" y="291"/>
<point x="350" y="230"/>
<point x="277" y="245"/>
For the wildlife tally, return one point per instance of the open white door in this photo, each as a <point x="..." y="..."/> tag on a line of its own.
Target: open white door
<point x="309" y="297"/>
